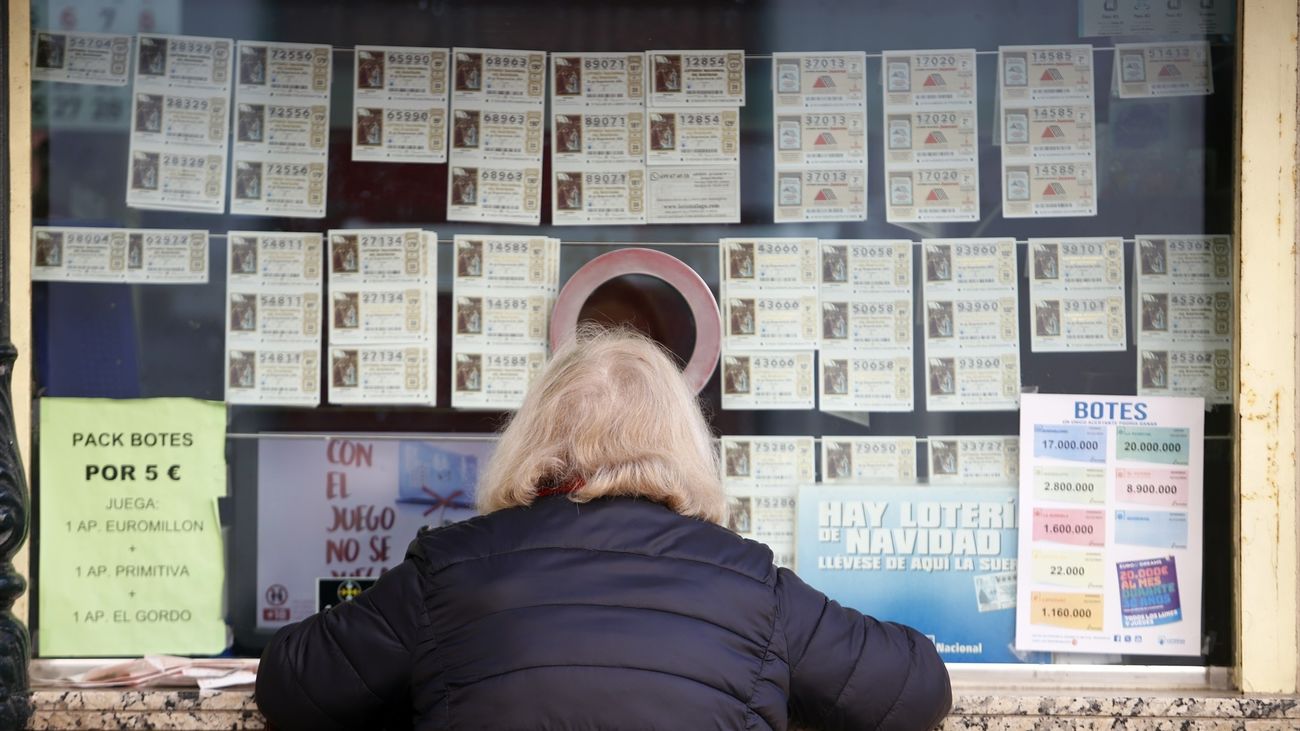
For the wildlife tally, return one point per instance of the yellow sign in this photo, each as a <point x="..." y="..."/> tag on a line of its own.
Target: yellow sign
<point x="130" y="552"/>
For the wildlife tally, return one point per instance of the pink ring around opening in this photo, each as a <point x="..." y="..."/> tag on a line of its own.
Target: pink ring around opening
<point x="674" y="271"/>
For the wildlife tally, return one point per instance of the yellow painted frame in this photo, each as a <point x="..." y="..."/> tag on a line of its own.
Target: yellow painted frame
<point x="1266" y="555"/>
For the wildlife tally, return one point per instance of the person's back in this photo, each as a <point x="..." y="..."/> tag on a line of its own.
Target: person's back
<point x="566" y="607"/>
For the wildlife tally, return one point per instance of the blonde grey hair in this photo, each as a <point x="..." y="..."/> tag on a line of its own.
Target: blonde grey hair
<point x="612" y="410"/>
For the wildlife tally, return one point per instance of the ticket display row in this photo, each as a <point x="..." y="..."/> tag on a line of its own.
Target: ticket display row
<point x="635" y="138"/>
<point x="806" y="323"/>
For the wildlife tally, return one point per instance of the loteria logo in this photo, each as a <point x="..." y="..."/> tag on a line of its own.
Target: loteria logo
<point x="824" y="82"/>
<point x="1053" y="132"/>
<point x="936" y="138"/>
<point x="935" y="80"/>
<point x="825" y="138"/>
<point x="1052" y="74"/>
<point x="1053" y="189"/>
<point x="1169" y="70"/>
<point x="825" y="195"/>
<point x="937" y="194"/>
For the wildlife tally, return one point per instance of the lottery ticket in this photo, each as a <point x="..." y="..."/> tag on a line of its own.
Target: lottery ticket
<point x="956" y="267"/>
<point x="258" y="259"/>
<point x="496" y="132"/>
<point x="821" y="194"/>
<point x="1185" y="315"/>
<point x="498" y="76"/>
<point x="165" y="62"/>
<point x="580" y="80"/>
<point x="770" y="320"/>
<point x="767" y="380"/>
<point x="1049" y="131"/>
<point x="180" y="124"/>
<point x="820" y="137"/>
<point x="399" y="131"/>
<point x="281" y="157"/>
<point x="938" y="78"/>
<point x="81" y="58"/>
<point x="399" y="110"/>
<point x="493" y="261"/>
<point x="984" y="379"/>
<point x="855" y="381"/>
<point x="971" y="321"/>
<point x="769" y="263"/>
<point x="703" y="135"/>
<point x="264" y="129"/>
<point x="588" y="137"/>
<point x="265" y="373"/>
<point x="379" y="313"/>
<point x="278" y="186"/>
<point x="133" y="256"/>
<point x="1045" y="189"/>
<point x="501" y="192"/>
<point x="860" y="266"/>
<point x="486" y="317"/>
<point x="382" y="257"/>
<point x="598" y="195"/>
<point x="693" y="194"/>
<point x="1192" y="369"/>
<point x="1148" y="70"/>
<point x="871" y="460"/>
<point x="819" y="80"/>
<point x="918" y="195"/>
<point x="866" y="323"/>
<point x="1076" y="287"/>
<point x="382" y="374"/>
<point x="494" y="377"/>
<point x="688" y="78"/>
<point x="765" y="514"/>
<point x="272" y="315"/>
<point x="767" y="460"/>
<point x="1183" y="261"/>
<point x="994" y="592"/>
<point x="974" y="460"/>
<point x="387" y="73"/>
<point x="1045" y="74"/>
<point x="942" y="137"/>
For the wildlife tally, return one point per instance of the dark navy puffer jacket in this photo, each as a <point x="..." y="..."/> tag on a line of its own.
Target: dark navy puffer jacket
<point x="615" y="614"/>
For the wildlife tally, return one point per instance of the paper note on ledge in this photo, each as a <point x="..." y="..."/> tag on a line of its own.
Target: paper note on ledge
<point x="131" y="555"/>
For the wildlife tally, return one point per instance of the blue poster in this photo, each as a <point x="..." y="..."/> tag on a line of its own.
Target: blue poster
<point x="940" y="559"/>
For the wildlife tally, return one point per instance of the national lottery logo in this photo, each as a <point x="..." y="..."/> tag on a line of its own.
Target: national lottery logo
<point x="825" y="138"/>
<point x="1052" y="74"/>
<point x="1053" y="132"/>
<point x="936" y="195"/>
<point x="825" y="195"/>
<point x="934" y="80"/>
<point x="824" y="82"/>
<point x="1169" y="70"/>
<point x="1053" y="190"/>
<point x="936" y="138"/>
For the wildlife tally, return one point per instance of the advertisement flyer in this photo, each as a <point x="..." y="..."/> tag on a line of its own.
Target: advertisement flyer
<point x="349" y="506"/>
<point x="942" y="560"/>
<point x="1111" y="509"/>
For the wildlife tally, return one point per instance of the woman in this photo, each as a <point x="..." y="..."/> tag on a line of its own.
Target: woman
<point x="598" y="591"/>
